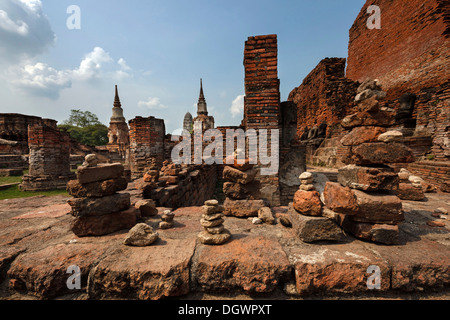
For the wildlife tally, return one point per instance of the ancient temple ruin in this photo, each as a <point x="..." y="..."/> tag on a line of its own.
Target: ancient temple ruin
<point x="118" y="133"/>
<point x="356" y="148"/>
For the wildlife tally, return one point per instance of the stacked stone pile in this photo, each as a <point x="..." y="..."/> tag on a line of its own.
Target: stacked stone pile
<point x="212" y="221"/>
<point x="364" y="200"/>
<point x="241" y="189"/>
<point x="97" y="207"/>
<point x="167" y="220"/>
<point x="307" y="216"/>
<point x="170" y="173"/>
<point x="410" y="187"/>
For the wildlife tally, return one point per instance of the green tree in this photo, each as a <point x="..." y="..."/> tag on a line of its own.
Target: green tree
<point x="84" y="127"/>
<point x="81" y="119"/>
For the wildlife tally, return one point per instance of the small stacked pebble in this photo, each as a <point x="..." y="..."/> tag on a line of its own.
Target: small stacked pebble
<point x="307" y="181"/>
<point x="212" y="220"/>
<point x="307" y="200"/>
<point x="167" y="220"/>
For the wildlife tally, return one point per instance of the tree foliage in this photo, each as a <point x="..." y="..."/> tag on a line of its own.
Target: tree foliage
<point x="84" y="127"/>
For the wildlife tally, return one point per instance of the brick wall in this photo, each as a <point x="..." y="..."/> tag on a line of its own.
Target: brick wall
<point x="49" y="158"/>
<point x="324" y="97"/>
<point x="146" y="143"/>
<point x="196" y="184"/>
<point x="434" y="172"/>
<point x="14" y="127"/>
<point x="410" y="51"/>
<point x="262" y="99"/>
<point x="262" y="86"/>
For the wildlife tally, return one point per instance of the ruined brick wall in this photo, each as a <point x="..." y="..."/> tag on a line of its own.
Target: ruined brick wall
<point x="192" y="186"/>
<point x="14" y="127"/>
<point x="262" y="98"/>
<point x="435" y="173"/>
<point x="324" y="97"/>
<point x="262" y="86"/>
<point x="146" y="143"/>
<point x="49" y="158"/>
<point x="411" y="50"/>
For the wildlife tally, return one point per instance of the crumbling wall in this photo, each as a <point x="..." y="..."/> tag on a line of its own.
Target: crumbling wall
<point x="49" y="159"/>
<point x="323" y="99"/>
<point x="409" y="52"/>
<point x="410" y="56"/>
<point x="183" y="186"/>
<point x="146" y="143"/>
<point x="14" y="128"/>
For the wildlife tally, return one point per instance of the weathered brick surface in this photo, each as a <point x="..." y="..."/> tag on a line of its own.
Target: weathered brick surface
<point x="435" y="173"/>
<point x="14" y="127"/>
<point x="146" y="143"/>
<point x="195" y="185"/>
<point x="409" y="52"/>
<point x="49" y="162"/>
<point x="324" y="97"/>
<point x="262" y="86"/>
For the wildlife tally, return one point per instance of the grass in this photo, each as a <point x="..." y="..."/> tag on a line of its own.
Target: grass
<point x="14" y="192"/>
<point x="8" y="180"/>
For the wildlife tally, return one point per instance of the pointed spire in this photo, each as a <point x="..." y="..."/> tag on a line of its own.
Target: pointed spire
<point x="202" y="96"/>
<point x="117" y="103"/>
<point x="201" y="106"/>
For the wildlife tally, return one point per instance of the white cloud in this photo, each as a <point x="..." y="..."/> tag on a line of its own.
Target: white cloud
<point x="40" y="80"/>
<point x="25" y="31"/>
<point x="124" y="71"/>
<point x="7" y="24"/>
<point x="152" y="104"/>
<point x="123" y="64"/>
<point x="91" y="65"/>
<point x="237" y="106"/>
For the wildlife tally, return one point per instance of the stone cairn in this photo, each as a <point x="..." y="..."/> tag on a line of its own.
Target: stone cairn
<point x="307" y="216"/>
<point x="167" y="220"/>
<point x="212" y="221"/>
<point x="241" y="189"/>
<point x="97" y="207"/>
<point x="410" y="187"/>
<point x="364" y="201"/>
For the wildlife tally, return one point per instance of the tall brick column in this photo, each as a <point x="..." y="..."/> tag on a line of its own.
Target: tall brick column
<point x="262" y="99"/>
<point x="49" y="158"/>
<point x="146" y="143"/>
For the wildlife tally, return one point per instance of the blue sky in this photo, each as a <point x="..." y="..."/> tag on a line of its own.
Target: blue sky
<point x="156" y="52"/>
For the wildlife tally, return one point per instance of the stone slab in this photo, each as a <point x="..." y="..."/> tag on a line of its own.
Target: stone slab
<point x="105" y="224"/>
<point x="242" y="264"/>
<point x="96" y="189"/>
<point x="85" y="207"/>
<point x="336" y="269"/>
<point x="150" y="273"/>
<point x="368" y="178"/>
<point x="378" y="208"/>
<point x="314" y="229"/>
<point x="242" y="208"/>
<point x="381" y="153"/>
<point x="44" y="273"/>
<point x="100" y="173"/>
